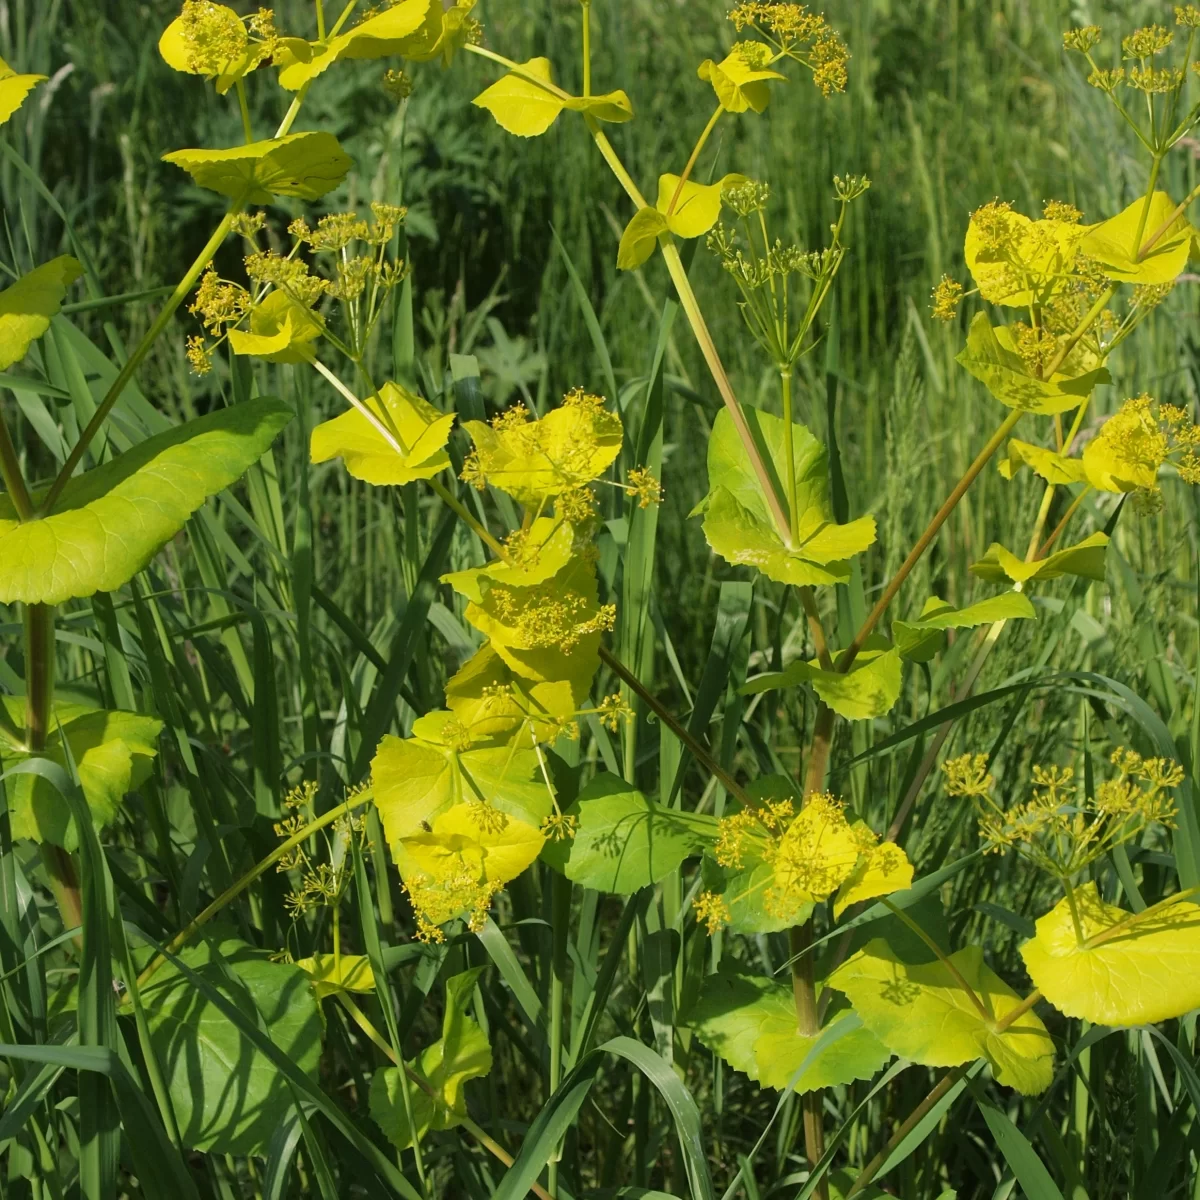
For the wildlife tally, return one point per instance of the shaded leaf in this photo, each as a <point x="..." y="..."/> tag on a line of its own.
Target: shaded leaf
<point x="624" y="841"/>
<point x="1148" y="971"/>
<point x="921" y="1012"/>
<point x="750" y="1022"/>
<point x="333" y="973"/>
<point x="304" y="165"/>
<point x="869" y="689"/>
<point x="640" y="238"/>
<point x="109" y="523"/>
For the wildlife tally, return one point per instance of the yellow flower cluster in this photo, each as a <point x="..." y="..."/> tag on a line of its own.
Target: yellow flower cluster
<point x="947" y="296"/>
<point x="712" y="910"/>
<point x="213" y="35"/>
<point x="547" y="615"/>
<point x="1058" y="830"/>
<point x="799" y="34"/>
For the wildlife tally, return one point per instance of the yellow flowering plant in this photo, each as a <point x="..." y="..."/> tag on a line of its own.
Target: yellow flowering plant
<point x="475" y="793"/>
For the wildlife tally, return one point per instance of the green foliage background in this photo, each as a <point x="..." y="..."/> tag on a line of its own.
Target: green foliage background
<point x="951" y="103"/>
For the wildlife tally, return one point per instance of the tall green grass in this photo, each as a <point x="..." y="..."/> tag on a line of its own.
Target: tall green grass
<point x="293" y="622"/>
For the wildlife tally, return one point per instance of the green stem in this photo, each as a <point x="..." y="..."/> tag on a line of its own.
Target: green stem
<point x="808" y="601"/>
<point x="561" y="910"/>
<point x="12" y="475"/>
<point x="1155" y="166"/>
<point x="785" y="383"/>
<point x="587" y="53"/>
<point x="691" y="162"/>
<point x="247" y="127"/>
<point x="1161" y="231"/>
<point x="804" y="993"/>
<point x="320" y="20"/>
<point x="134" y="361"/>
<point x="460" y="510"/>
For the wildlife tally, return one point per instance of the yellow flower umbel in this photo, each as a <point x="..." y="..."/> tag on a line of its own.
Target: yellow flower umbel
<point x="794" y="32"/>
<point x="211" y="40"/>
<point x="811" y="855"/>
<point x="469" y="854"/>
<point x="1059" y="830"/>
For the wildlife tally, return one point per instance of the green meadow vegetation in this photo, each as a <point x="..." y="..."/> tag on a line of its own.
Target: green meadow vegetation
<point x="599" y="598"/>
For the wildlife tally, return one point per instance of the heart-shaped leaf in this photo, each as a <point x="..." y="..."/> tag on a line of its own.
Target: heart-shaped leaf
<point x="226" y="1096"/>
<point x="750" y="1022"/>
<point x="113" y="753"/>
<point x="1146" y="969"/>
<point x="625" y="842"/>
<point x="922" y="1012"/>
<point x="1085" y="559"/>
<point x="528" y="103"/>
<point x="281" y="331"/>
<point x="28" y="305"/>
<point x="420" y="430"/>
<point x="991" y="356"/>
<point x="739" y="525"/>
<point x="698" y="206"/>
<point x="110" y="522"/>
<point x="739" y="82"/>
<point x="304" y="165"/>
<point x="640" y="238"/>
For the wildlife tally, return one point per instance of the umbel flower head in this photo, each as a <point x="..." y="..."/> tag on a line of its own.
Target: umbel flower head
<point x="793" y="31"/>
<point x="811" y="854"/>
<point x="1057" y="828"/>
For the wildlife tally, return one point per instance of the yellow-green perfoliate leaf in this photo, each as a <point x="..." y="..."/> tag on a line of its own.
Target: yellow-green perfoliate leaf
<point x="1116" y="245"/>
<point x="330" y="974"/>
<point x="14" y="88"/>
<point x="420" y="430"/>
<point x="303" y="165"/>
<point x="541" y="552"/>
<point x="219" y="49"/>
<point x="920" y="639"/>
<point x="281" y="331"/>
<point x="882" y="870"/>
<point x="1147" y="970"/>
<point x="625" y="842"/>
<point x="379" y="36"/>
<point x="738" y="523"/>
<point x="922" y="1012"/>
<point x="528" y="103"/>
<point x="110" y="522"/>
<point x="461" y="1054"/>
<point x="991" y="355"/>
<point x="698" y="206"/>
<point x="1085" y="560"/>
<point x="740" y="79"/>
<point x="750" y="1022"/>
<point x="460" y="841"/>
<point x="1053" y="467"/>
<point x="1016" y="261"/>
<point x="27" y="306"/>
<point x="112" y="752"/>
<point x="442" y="34"/>
<point x="869" y="689"/>
<point x="640" y="238"/>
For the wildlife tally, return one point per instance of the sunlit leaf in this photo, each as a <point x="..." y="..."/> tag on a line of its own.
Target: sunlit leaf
<point x="442" y="33"/>
<point x="739" y="525"/>
<point x="869" y="689"/>
<point x="460" y="1055"/>
<point x="1123" y="463"/>
<point x="304" y="165"/>
<point x="1033" y="263"/>
<point x="880" y="872"/>
<point x="333" y="973"/>
<point x="1148" y="971"/>
<point x="921" y="1012"/>
<point x="379" y="36"/>
<point x="992" y="357"/>
<point x="920" y="639"/>
<point x="698" y="207"/>
<point x="750" y="1022"/>
<point x="113" y="753"/>
<point x="1085" y="559"/>
<point x="545" y="549"/>
<point x="640" y="238"/>
<point x="1053" y="467"/>
<point x="181" y="55"/>
<point x="226" y="1096"/>
<point x="281" y="331"/>
<point x="739" y="84"/>
<point x="14" y="88"/>
<point x="1115" y="244"/>
<point x="625" y="842"/>
<point x="27" y="306"/>
<point x="520" y="105"/>
<point x="459" y="841"/>
<point x="110" y="522"/>
<point x="421" y="431"/>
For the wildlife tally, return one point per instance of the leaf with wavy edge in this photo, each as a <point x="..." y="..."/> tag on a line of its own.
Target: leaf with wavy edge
<point x="1148" y="971"/>
<point x="869" y="689"/>
<point x="110" y="522"/>
<point x="1053" y="467"/>
<point x="750" y="1022"/>
<point x="921" y="1012"/>
<point x="920" y="639"/>
<point x="1085" y="559"/>
<point x="991" y="356"/>
<point x="304" y="165"/>
<point x="27" y="306"/>
<point x="421" y="430"/>
<point x="14" y="89"/>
